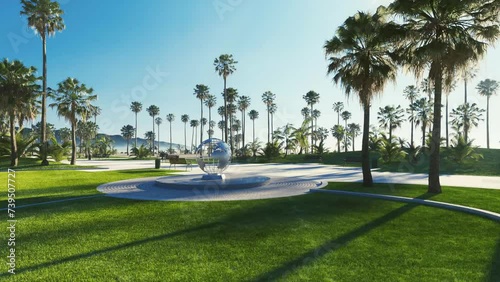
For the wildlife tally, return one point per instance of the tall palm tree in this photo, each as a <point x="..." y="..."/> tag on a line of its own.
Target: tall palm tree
<point x="338" y="107"/>
<point x="315" y="115"/>
<point x="221" y="125"/>
<point x="272" y="110"/>
<point x="390" y="117"/>
<point x="225" y="66"/>
<point x="466" y="116"/>
<point x="445" y="36"/>
<point x="127" y="133"/>
<point x="44" y="16"/>
<point x="210" y="102"/>
<point x="448" y="89"/>
<point x="170" y="119"/>
<point x="353" y="129"/>
<point x="136" y="108"/>
<point x="268" y="99"/>
<point x="73" y="101"/>
<point x="253" y="114"/>
<point x="346" y="115"/>
<point x="194" y="124"/>
<point x="360" y="61"/>
<point x="230" y="97"/>
<point x="153" y="111"/>
<point x="338" y="132"/>
<point x="201" y="92"/>
<point x="468" y="73"/>
<point x="185" y="120"/>
<point x="243" y="104"/>
<point x="158" y="121"/>
<point x="488" y="88"/>
<point x="305" y="112"/>
<point x="19" y="92"/>
<point x="411" y="93"/>
<point x="150" y="137"/>
<point x="421" y="113"/>
<point x="311" y="98"/>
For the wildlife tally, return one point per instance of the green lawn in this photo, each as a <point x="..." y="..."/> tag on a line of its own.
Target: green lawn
<point x="312" y="237"/>
<point x="34" y="164"/>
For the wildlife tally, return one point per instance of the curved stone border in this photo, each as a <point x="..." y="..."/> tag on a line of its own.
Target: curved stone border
<point x="145" y="189"/>
<point x="484" y="213"/>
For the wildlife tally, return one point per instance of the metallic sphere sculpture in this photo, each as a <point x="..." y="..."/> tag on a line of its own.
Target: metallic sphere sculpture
<point x="214" y="156"/>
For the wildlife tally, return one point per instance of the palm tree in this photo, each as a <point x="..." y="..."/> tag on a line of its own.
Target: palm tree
<point x="185" y="120"/>
<point x="230" y="97"/>
<point x="466" y="116"/>
<point x="301" y="135"/>
<point x="170" y="118"/>
<point x="448" y="89"/>
<point x="221" y="125"/>
<point x="487" y="88"/>
<point x="73" y="101"/>
<point x="411" y="93"/>
<point x="311" y="98"/>
<point x="150" y="137"/>
<point x="305" y="112"/>
<point x="315" y="115"/>
<point x="468" y="73"/>
<point x="346" y="115"/>
<point x="136" y="108"/>
<point x="158" y="122"/>
<point x="421" y="113"/>
<point x="443" y="38"/>
<point x="268" y="99"/>
<point x="390" y="117"/>
<point x="338" y="107"/>
<point x="127" y="133"/>
<point x="253" y="114"/>
<point x="225" y="66"/>
<point x="201" y="92"/>
<point x="338" y="132"/>
<point x="19" y="92"/>
<point x="153" y="111"/>
<point x="272" y="110"/>
<point x="287" y="138"/>
<point x="194" y="124"/>
<point x="210" y="102"/>
<point x="243" y="104"/>
<point x="353" y="129"/>
<point x="360" y="61"/>
<point x="44" y="16"/>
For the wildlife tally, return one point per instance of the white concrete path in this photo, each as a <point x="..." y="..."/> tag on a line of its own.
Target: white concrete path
<point x="318" y="172"/>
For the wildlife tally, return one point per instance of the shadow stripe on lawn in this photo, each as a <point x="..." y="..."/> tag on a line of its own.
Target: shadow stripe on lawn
<point x="479" y="212"/>
<point x="53" y="202"/>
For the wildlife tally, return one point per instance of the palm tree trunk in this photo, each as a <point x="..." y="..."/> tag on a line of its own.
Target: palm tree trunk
<point x="44" y="100"/>
<point x="153" y="139"/>
<point x="159" y="139"/>
<point x="185" y="148"/>
<point x="243" y="127"/>
<point x="412" y="125"/>
<point x="465" y="88"/>
<point x="268" y="124"/>
<point x="253" y="129"/>
<point x="345" y="137"/>
<point x="73" y="141"/>
<point x="272" y="127"/>
<point x="312" y="130"/>
<point x="390" y="132"/>
<point x="192" y="140"/>
<point x="225" y="111"/>
<point x="128" y="140"/>
<point x="209" y="121"/>
<point x="170" y="126"/>
<point x="447" y="134"/>
<point x="353" y="137"/>
<point x="136" y="129"/>
<point x="434" y="183"/>
<point x="424" y="126"/>
<point x="365" y="152"/>
<point x="13" y="142"/>
<point x="201" y="123"/>
<point x="488" y="122"/>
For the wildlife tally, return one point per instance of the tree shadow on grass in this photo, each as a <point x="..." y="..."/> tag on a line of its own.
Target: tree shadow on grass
<point x="335" y="244"/>
<point x="494" y="274"/>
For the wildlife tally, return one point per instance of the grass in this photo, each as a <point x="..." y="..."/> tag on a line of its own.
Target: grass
<point x="35" y="164"/>
<point x="312" y="237"/>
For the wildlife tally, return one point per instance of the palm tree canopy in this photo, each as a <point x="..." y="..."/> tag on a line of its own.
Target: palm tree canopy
<point x="185" y="118"/>
<point x="194" y="123"/>
<point x="158" y="121"/>
<point x="153" y="110"/>
<point x="411" y="92"/>
<point x="268" y="98"/>
<point x="136" y="107"/>
<point x="225" y="65"/>
<point x="73" y="100"/>
<point x="243" y="103"/>
<point x="360" y="54"/>
<point x="487" y="87"/>
<point x="338" y="107"/>
<point x="466" y="115"/>
<point x="354" y="129"/>
<point x="232" y="95"/>
<point x="221" y="110"/>
<point x="422" y="111"/>
<point x="210" y="101"/>
<point x="311" y="97"/>
<point x="390" y="116"/>
<point x="446" y="35"/>
<point x="201" y="91"/>
<point x="253" y="114"/>
<point x="273" y="108"/>
<point x="316" y="113"/>
<point x="170" y="117"/>
<point x="127" y="131"/>
<point x="44" y="16"/>
<point x="346" y="115"/>
<point x="306" y="112"/>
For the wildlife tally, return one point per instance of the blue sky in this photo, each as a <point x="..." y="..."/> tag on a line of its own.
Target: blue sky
<point x="156" y="51"/>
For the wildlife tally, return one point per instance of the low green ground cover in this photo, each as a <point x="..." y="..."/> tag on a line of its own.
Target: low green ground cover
<point x="312" y="237"/>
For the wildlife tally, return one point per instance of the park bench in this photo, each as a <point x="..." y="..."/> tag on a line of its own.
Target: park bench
<point x="181" y="161"/>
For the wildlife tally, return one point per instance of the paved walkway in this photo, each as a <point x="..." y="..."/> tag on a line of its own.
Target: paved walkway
<point x="316" y="172"/>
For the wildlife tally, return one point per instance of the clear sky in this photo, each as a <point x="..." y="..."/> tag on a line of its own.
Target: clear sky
<point x="156" y="51"/>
